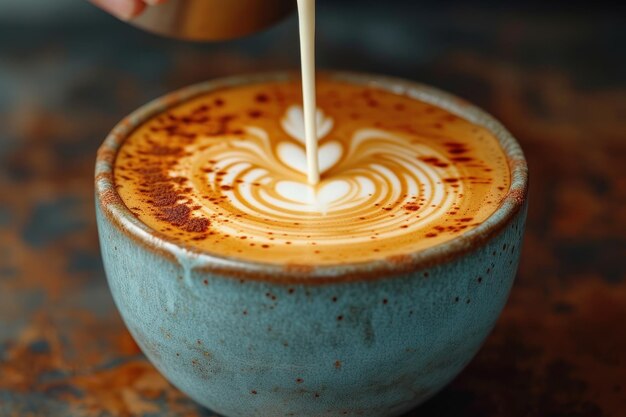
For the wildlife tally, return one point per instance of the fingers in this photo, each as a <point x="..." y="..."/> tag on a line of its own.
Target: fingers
<point x="123" y="9"/>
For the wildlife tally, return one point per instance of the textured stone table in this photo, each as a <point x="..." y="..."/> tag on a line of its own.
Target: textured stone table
<point x="556" y="80"/>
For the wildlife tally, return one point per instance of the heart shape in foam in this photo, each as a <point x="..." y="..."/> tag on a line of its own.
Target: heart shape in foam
<point x="293" y="123"/>
<point x="310" y="198"/>
<point x="294" y="156"/>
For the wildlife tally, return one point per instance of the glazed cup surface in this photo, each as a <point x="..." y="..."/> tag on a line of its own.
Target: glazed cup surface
<point x="252" y="339"/>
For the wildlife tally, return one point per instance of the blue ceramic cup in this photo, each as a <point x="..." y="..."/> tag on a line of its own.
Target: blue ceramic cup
<point x="253" y="339"/>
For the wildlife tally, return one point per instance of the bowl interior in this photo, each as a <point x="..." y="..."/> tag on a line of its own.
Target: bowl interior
<point x="116" y="211"/>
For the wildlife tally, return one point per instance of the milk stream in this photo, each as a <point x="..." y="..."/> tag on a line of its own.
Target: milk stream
<point x="306" y="15"/>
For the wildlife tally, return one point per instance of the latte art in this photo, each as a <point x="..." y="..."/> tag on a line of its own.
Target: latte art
<point x="377" y="171"/>
<point x="226" y="172"/>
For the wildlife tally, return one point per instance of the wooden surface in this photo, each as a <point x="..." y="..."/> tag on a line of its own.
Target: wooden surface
<point x="556" y="79"/>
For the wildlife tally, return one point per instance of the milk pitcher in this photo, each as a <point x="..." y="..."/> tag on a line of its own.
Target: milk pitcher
<point x="209" y="20"/>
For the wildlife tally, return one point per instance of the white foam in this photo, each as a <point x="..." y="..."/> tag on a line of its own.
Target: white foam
<point x="294" y="156"/>
<point x="293" y="123"/>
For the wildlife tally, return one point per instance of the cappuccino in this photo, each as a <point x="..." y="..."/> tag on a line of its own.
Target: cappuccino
<point x="226" y="173"/>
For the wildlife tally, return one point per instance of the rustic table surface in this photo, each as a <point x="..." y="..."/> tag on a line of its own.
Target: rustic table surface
<point x="556" y="79"/>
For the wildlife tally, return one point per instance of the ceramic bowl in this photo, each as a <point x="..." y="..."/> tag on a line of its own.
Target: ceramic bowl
<point x="252" y="339"/>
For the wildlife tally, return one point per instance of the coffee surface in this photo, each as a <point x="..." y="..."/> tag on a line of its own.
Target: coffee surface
<point x="225" y="172"/>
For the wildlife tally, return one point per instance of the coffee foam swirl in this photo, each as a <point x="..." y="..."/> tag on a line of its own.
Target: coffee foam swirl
<point x="377" y="171"/>
<point x="381" y="190"/>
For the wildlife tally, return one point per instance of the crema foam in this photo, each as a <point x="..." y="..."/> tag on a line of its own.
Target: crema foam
<point x="226" y="172"/>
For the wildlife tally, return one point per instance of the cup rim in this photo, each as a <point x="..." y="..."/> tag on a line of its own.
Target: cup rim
<point x="190" y="257"/>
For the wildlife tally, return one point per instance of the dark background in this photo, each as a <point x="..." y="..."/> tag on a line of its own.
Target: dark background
<point x="552" y="72"/>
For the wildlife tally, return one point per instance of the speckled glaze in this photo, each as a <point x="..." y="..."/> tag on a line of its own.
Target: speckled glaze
<point x="251" y="339"/>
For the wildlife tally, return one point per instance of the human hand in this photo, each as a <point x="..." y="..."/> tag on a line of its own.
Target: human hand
<point x="125" y="9"/>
